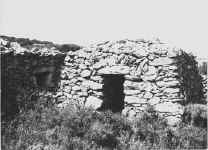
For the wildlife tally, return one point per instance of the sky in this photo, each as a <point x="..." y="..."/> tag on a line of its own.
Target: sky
<point x="182" y="23"/>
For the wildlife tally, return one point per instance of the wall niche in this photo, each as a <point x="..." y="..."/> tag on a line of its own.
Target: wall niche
<point x="43" y="77"/>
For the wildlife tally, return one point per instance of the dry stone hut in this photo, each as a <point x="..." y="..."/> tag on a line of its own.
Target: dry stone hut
<point x="126" y="76"/>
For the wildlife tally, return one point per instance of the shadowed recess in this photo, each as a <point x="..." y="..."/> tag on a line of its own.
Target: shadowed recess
<point x="113" y="92"/>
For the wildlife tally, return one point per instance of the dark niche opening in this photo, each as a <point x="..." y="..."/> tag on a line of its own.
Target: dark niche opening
<point x="113" y="92"/>
<point x="42" y="79"/>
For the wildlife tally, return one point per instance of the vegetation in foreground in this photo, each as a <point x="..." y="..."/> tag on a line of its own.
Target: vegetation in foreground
<point x="46" y="128"/>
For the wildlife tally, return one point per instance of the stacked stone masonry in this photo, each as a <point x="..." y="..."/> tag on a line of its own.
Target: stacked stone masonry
<point x="26" y="71"/>
<point x="149" y="70"/>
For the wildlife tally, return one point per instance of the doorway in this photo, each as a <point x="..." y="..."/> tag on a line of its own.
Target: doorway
<point x="113" y="92"/>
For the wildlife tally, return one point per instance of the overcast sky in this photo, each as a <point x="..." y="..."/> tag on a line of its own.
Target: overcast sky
<point x="182" y="23"/>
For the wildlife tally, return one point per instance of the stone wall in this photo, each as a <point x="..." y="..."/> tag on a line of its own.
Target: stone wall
<point x="25" y="72"/>
<point x="123" y="76"/>
<point x="151" y="74"/>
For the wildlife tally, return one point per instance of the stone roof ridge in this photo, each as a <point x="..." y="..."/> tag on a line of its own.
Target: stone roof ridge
<point x="140" y="47"/>
<point x="15" y="47"/>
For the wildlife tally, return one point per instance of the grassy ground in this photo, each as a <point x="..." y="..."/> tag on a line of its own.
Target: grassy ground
<point x="46" y="128"/>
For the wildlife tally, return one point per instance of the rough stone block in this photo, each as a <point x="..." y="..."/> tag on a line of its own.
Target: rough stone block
<point x="169" y="107"/>
<point x="168" y="83"/>
<point x="85" y="73"/>
<point x="134" y="99"/>
<point x="162" y="61"/>
<point x="115" y="70"/>
<point x="92" y="85"/>
<point x="173" y="120"/>
<point x="93" y="102"/>
<point x="131" y="92"/>
<point x="148" y="95"/>
<point x="154" y="101"/>
<point x="149" y="77"/>
<point x="171" y="90"/>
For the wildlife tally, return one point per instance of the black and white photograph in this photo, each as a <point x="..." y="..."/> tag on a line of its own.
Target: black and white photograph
<point x="103" y="74"/>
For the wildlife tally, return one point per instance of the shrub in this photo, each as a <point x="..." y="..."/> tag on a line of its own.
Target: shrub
<point x="196" y="115"/>
<point x="191" y="137"/>
<point x="47" y="128"/>
<point x="152" y="130"/>
<point x="190" y="78"/>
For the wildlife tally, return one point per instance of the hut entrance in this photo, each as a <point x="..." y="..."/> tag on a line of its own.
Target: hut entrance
<point x="113" y="92"/>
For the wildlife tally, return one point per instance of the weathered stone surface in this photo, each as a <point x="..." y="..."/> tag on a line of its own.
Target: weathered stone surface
<point x="93" y="102"/>
<point x="83" y="54"/>
<point x="148" y="95"/>
<point x="151" y="71"/>
<point x="149" y="87"/>
<point x="76" y="88"/>
<point x="169" y="107"/>
<point x="133" y="99"/>
<point x="134" y="85"/>
<point x="82" y="66"/>
<point x="162" y="61"/>
<point x="151" y="57"/>
<point x="99" y="64"/>
<point x="131" y="92"/>
<point x="67" y="89"/>
<point x="115" y="70"/>
<point x="82" y="94"/>
<point x="154" y="101"/>
<point x="96" y="78"/>
<point x="172" y="95"/>
<point x="173" y="53"/>
<point x="3" y="42"/>
<point x="172" y="67"/>
<point x="98" y="94"/>
<point x="26" y="68"/>
<point x="111" y="60"/>
<point x="173" y="120"/>
<point x="151" y="75"/>
<point x="92" y="85"/>
<point x="177" y="100"/>
<point x="171" y="90"/>
<point x="167" y="79"/>
<point x="143" y="67"/>
<point x="171" y="74"/>
<point x="168" y="83"/>
<point x="129" y="112"/>
<point x="141" y="53"/>
<point x="132" y="78"/>
<point x="125" y="111"/>
<point x="85" y="73"/>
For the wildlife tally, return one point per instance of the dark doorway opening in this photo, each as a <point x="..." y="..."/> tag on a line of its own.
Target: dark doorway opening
<point x="41" y="78"/>
<point x="113" y="92"/>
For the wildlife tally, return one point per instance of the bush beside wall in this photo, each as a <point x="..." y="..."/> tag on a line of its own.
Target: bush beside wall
<point x="45" y="127"/>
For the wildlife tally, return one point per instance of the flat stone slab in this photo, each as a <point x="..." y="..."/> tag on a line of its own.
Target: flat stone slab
<point x="123" y="70"/>
<point x="92" y="85"/>
<point x="169" y="107"/>
<point x="134" y="99"/>
<point x="93" y="102"/>
<point x="162" y="61"/>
